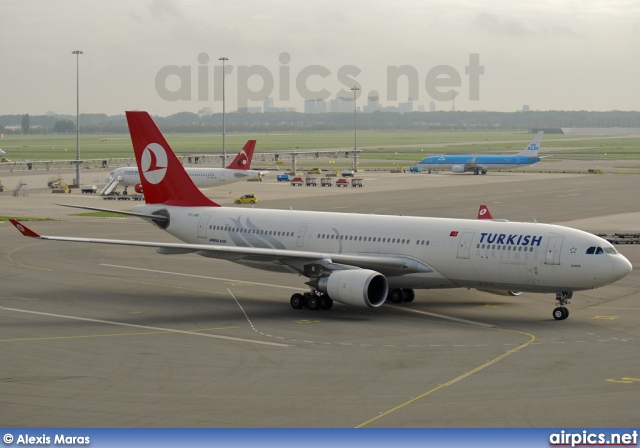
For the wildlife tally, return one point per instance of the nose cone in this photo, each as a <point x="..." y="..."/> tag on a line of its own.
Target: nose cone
<point x="621" y="267"/>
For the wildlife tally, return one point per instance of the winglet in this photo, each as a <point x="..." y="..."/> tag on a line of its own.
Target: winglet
<point x="484" y="213"/>
<point x="244" y="157"/>
<point x="26" y="231"/>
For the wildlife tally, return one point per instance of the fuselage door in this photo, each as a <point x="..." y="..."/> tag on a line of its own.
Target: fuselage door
<point x="553" y="250"/>
<point x="301" y="233"/>
<point x="464" y="244"/>
<point x="202" y="226"/>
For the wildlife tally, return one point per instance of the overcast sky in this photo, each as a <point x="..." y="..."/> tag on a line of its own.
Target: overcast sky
<point x="549" y="54"/>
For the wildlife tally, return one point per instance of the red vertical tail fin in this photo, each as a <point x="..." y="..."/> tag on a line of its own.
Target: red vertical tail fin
<point x="244" y="157"/>
<point x="484" y="213"/>
<point x="163" y="178"/>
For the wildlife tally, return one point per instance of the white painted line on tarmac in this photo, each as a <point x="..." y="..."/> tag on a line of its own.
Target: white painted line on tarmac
<point x="146" y="327"/>
<point x="441" y="316"/>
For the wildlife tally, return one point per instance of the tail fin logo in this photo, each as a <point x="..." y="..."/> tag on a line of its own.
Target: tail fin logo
<point x="242" y="159"/>
<point x="484" y="213"/>
<point x="154" y="163"/>
<point x="532" y="147"/>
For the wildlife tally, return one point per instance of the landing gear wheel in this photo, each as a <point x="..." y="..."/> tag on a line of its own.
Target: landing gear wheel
<point x="409" y="295"/>
<point x="313" y="302"/>
<point x="484" y="171"/>
<point x="297" y="301"/>
<point x="326" y="302"/>
<point x="558" y="314"/>
<point x="396" y="295"/>
<point x="562" y="299"/>
<point x="476" y="172"/>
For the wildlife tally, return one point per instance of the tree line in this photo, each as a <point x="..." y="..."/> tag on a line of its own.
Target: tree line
<point x="295" y="121"/>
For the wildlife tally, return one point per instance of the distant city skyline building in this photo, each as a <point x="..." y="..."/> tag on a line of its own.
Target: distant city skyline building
<point x="267" y="104"/>
<point x="341" y="104"/>
<point x="373" y="103"/>
<point x="250" y="110"/>
<point x="315" y="106"/>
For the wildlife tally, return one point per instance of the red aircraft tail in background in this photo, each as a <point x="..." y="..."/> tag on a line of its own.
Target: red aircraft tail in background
<point x="484" y="213"/>
<point x="244" y="157"/>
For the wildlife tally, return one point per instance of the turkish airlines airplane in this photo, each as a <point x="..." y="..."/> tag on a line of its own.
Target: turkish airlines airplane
<point x="482" y="163"/>
<point x="237" y="170"/>
<point x="361" y="260"/>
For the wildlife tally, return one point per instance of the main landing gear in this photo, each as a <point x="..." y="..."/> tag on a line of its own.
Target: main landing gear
<point x="478" y="171"/>
<point x="562" y="299"/>
<point x="315" y="300"/>
<point x="398" y="295"/>
<point x="312" y="300"/>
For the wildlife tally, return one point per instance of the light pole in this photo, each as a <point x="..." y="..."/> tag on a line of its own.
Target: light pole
<point x="77" y="53"/>
<point x="355" y="130"/>
<point x="224" y="143"/>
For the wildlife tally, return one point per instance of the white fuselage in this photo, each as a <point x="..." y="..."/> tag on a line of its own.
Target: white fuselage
<point x="454" y="252"/>
<point x="202" y="177"/>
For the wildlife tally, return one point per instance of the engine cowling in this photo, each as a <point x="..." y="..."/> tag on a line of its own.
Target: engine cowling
<point x="457" y="168"/>
<point x="358" y="287"/>
<point x="138" y="188"/>
<point x="499" y="292"/>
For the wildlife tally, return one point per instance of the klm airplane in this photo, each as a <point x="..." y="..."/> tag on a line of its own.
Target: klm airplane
<point x="481" y="164"/>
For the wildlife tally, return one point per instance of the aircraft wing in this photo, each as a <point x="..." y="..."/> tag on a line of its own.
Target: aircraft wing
<point x="108" y="210"/>
<point x="300" y="261"/>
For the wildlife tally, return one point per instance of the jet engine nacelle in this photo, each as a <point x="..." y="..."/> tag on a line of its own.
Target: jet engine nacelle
<point x="357" y="287"/>
<point x="457" y="168"/>
<point x="138" y="188"/>
<point x="499" y="292"/>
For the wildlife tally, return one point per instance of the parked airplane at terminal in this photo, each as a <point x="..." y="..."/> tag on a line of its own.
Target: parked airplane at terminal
<point x="356" y="259"/>
<point x="482" y="163"/>
<point x="236" y="171"/>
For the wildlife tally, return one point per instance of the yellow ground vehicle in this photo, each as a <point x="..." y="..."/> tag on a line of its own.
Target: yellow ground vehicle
<point x="314" y="171"/>
<point x="247" y="199"/>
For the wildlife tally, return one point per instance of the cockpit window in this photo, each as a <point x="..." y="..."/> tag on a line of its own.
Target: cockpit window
<point x="599" y="250"/>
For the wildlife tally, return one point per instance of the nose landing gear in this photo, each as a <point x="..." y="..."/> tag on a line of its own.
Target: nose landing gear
<point x="562" y="299"/>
